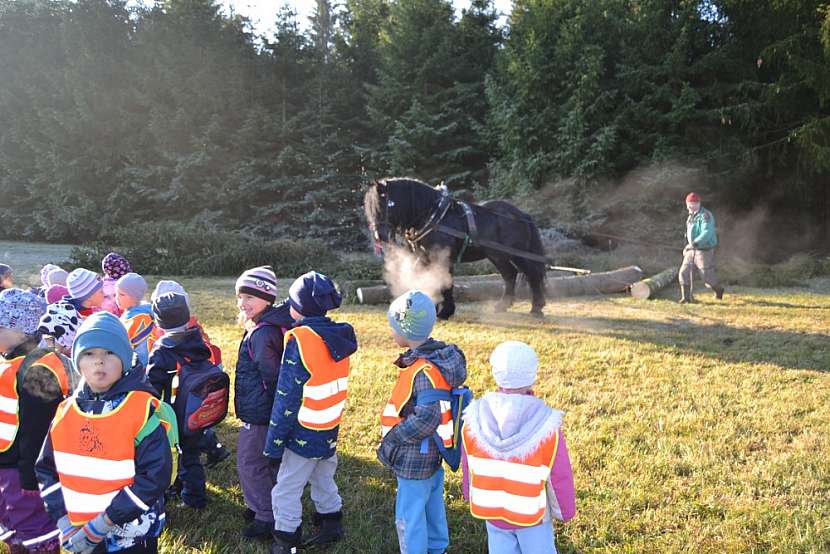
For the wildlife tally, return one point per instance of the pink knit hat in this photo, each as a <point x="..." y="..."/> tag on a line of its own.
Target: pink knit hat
<point x="55" y="293"/>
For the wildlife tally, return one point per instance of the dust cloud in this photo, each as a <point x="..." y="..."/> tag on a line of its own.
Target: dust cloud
<point x="403" y="271"/>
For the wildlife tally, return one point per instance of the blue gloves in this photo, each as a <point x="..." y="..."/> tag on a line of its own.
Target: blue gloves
<point x="67" y="530"/>
<point x="89" y="536"/>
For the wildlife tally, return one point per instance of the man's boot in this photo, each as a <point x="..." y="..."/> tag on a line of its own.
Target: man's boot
<point x="718" y="292"/>
<point x="328" y="528"/>
<point x="285" y="542"/>
<point x="685" y="294"/>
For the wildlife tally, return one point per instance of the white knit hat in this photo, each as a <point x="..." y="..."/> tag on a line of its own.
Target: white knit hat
<point x="514" y="365"/>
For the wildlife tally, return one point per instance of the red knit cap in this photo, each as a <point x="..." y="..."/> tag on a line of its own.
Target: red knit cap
<point x="692" y="197"/>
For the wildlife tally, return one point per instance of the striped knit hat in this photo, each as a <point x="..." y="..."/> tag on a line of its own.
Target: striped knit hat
<point x="82" y="283"/>
<point x="260" y="282"/>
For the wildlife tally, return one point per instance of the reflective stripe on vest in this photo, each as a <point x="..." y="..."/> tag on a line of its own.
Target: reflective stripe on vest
<point x="10" y="399"/>
<point x="9" y="402"/>
<point x="403" y="392"/>
<point x="324" y="394"/>
<point x="95" y="454"/>
<point x="512" y="489"/>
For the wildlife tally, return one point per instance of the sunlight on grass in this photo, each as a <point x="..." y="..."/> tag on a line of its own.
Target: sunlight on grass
<point x="697" y="428"/>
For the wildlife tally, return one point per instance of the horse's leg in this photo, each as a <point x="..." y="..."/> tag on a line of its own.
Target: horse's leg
<point x="508" y="272"/>
<point x="536" y="281"/>
<point x="448" y="303"/>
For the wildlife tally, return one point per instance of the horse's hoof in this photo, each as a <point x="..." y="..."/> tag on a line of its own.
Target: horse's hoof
<point x="538" y="314"/>
<point x="444" y="312"/>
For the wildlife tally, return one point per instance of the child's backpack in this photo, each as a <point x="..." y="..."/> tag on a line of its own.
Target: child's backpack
<point x="168" y="420"/>
<point x="459" y="398"/>
<point x="202" y="397"/>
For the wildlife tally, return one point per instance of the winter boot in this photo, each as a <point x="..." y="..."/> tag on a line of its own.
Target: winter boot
<point x="258" y="530"/>
<point x="328" y="528"/>
<point x="718" y="292"/>
<point x="216" y="456"/>
<point x="285" y="542"/>
<point x="685" y="294"/>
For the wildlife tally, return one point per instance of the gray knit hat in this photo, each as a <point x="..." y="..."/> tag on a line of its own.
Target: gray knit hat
<point x="133" y="285"/>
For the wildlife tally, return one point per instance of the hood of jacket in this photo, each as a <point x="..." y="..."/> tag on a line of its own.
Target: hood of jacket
<point x="188" y="344"/>
<point x="278" y="316"/>
<point x="448" y="358"/>
<point x="508" y="425"/>
<point x="339" y="337"/>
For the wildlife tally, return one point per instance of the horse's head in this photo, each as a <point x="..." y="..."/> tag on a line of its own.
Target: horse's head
<point x="395" y="204"/>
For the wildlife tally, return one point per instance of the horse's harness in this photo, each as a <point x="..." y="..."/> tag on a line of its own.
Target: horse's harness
<point x="415" y="236"/>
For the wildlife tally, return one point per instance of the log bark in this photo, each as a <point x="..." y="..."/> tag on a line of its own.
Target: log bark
<point x="490" y="287"/>
<point x="647" y="288"/>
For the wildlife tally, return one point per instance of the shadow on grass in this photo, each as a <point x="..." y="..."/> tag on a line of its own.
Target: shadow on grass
<point x="785" y="349"/>
<point x="368" y="492"/>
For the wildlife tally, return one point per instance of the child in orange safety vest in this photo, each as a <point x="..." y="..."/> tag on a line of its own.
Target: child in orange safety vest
<point x="305" y="419"/>
<point x="33" y="381"/>
<point x="414" y="419"/>
<point x="136" y="314"/>
<point x="517" y="474"/>
<point x="106" y="462"/>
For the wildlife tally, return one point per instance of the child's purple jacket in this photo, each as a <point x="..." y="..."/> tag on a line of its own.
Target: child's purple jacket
<point x="508" y="425"/>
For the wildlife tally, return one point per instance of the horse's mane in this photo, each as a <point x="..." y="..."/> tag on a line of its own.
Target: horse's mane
<point x="371" y="203"/>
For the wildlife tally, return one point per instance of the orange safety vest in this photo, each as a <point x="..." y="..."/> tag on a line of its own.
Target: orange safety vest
<point x="10" y="399"/>
<point x="95" y="454"/>
<point x="324" y="394"/>
<point x="403" y="392"/>
<point x="512" y="489"/>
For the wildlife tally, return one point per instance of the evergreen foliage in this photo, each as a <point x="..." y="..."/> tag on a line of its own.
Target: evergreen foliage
<point x="113" y="115"/>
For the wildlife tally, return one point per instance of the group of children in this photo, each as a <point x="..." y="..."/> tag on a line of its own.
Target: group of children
<point x="85" y="443"/>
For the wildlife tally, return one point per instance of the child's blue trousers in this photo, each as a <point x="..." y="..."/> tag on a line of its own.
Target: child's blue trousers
<point x="420" y="515"/>
<point x="537" y="539"/>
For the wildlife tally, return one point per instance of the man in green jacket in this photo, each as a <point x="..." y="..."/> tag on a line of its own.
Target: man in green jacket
<point x="701" y="239"/>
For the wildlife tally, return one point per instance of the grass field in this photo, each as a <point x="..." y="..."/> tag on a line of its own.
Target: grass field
<point x="699" y="428"/>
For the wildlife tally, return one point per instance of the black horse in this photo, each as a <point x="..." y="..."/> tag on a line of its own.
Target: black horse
<point x="429" y="219"/>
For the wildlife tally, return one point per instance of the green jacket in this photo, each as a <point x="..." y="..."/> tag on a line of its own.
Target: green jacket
<point x="701" y="232"/>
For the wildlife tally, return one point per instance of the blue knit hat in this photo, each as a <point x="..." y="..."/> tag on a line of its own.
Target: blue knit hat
<point x="313" y="294"/>
<point x="104" y="330"/>
<point x="412" y="315"/>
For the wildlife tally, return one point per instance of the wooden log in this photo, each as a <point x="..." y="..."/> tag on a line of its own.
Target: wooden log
<point x="646" y="288"/>
<point x="491" y="287"/>
<point x="374" y="295"/>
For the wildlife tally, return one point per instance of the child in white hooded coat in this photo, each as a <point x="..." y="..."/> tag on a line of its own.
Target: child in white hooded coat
<point x="517" y="473"/>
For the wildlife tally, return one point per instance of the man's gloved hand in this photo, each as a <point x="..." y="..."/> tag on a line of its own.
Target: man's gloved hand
<point x="90" y="535"/>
